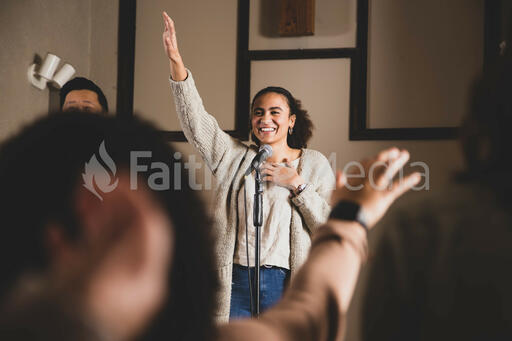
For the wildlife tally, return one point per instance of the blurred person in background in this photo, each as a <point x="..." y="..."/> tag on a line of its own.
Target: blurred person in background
<point x="442" y="266"/>
<point x="82" y="94"/>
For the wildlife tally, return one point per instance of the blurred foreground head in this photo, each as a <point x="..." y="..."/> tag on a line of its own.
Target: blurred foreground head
<point x="61" y="174"/>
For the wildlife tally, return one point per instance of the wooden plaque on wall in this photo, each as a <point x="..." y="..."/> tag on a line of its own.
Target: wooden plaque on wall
<point x="297" y="18"/>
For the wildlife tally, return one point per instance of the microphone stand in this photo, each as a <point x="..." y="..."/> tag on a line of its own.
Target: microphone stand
<point x="258" y="222"/>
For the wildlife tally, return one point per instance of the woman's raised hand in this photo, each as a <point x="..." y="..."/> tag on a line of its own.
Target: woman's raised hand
<point x="169" y="38"/>
<point x="178" y="70"/>
<point x="374" y="189"/>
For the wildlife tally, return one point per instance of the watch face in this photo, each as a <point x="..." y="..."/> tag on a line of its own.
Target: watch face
<point x="350" y="211"/>
<point x="346" y="210"/>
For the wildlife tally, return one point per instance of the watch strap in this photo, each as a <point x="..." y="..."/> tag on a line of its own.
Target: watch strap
<point x="350" y="211"/>
<point x="300" y="188"/>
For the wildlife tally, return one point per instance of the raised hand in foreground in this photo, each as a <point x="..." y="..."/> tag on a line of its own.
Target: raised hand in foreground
<point x="376" y="190"/>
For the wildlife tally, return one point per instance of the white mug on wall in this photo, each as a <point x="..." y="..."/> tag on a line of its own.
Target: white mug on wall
<point x="63" y="76"/>
<point x="49" y="66"/>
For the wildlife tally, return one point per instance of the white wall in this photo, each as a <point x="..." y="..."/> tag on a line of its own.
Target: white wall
<point x="81" y="32"/>
<point x="422" y="56"/>
<point x="206" y="38"/>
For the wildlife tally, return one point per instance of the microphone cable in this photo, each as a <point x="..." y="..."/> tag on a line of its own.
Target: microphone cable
<point x="247" y="247"/>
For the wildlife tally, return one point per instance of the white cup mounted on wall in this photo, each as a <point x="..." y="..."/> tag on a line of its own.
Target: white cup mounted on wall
<point x="51" y="62"/>
<point x="63" y="76"/>
<point x="46" y="73"/>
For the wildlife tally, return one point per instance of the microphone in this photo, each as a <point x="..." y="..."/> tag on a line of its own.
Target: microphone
<point x="264" y="153"/>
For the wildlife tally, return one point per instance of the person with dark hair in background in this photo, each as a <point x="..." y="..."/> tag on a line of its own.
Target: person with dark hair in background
<point x="136" y="261"/>
<point x="442" y="266"/>
<point x="298" y="184"/>
<point x="84" y="95"/>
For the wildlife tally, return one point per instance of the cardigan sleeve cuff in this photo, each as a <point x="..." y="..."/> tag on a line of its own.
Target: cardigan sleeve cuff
<point x="183" y="85"/>
<point x="300" y="199"/>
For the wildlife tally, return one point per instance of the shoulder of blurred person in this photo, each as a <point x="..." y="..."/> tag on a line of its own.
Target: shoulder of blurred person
<point x="46" y="316"/>
<point x="439" y="268"/>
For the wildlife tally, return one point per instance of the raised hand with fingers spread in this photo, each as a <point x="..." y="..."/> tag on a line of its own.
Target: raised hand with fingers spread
<point x="376" y="190"/>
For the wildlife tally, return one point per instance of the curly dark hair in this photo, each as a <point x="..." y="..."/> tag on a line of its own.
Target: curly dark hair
<point x="303" y="129"/>
<point x="40" y="169"/>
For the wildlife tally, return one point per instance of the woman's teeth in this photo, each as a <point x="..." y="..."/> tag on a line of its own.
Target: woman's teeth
<point x="265" y="130"/>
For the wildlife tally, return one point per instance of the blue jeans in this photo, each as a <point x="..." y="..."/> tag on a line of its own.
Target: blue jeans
<point x="272" y="282"/>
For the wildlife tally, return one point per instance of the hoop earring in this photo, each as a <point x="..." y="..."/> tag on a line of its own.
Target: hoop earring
<point x="290" y="130"/>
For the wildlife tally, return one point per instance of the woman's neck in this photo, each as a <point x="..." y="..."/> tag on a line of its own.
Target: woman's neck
<point x="282" y="153"/>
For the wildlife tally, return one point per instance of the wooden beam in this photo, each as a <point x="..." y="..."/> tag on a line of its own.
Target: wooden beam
<point x="126" y="57"/>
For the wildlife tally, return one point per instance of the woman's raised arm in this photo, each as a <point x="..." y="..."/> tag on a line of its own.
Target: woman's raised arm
<point x="217" y="148"/>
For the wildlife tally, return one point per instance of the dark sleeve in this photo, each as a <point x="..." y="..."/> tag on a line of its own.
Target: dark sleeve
<point x="395" y="296"/>
<point x="48" y="319"/>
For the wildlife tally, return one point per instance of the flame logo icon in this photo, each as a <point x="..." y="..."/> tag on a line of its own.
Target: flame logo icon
<point x="96" y="176"/>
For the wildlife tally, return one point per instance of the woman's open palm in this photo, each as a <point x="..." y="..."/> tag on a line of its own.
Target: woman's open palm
<point x="169" y="37"/>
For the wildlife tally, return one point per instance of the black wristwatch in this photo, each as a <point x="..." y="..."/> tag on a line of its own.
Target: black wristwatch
<point x="350" y="211"/>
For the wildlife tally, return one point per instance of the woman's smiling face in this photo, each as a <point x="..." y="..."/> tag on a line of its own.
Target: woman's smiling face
<point x="271" y="118"/>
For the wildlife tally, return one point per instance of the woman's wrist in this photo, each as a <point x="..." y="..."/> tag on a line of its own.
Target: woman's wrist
<point x="175" y="57"/>
<point x="178" y="70"/>
<point x="297" y="185"/>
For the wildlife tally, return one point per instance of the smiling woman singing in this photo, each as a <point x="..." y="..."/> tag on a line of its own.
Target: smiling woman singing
<point x="298" y="182"/>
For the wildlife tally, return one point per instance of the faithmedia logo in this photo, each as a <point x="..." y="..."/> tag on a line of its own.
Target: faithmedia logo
<point x="98" y="178"/>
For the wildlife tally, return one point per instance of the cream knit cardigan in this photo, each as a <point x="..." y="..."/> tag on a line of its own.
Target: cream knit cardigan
<point x="228" y="159"/>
